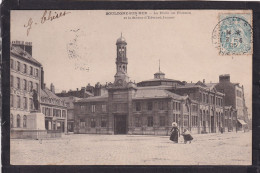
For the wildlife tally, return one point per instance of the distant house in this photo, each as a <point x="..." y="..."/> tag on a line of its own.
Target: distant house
<point x="69" y="101"/>
<point x="55" y="110"/>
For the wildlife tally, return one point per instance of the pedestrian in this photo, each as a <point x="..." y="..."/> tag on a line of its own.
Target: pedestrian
<point x="187" y="136"/>
<point x="174" y="133"/>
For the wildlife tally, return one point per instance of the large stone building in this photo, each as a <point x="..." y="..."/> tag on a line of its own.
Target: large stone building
<point x="149" y="107"/>
<point x="234" y="96"/>
<point x="25" y="76"/>
<point x="29" y="97"/>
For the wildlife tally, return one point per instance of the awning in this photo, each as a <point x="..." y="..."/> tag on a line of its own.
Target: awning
<point x="242" y="122"/>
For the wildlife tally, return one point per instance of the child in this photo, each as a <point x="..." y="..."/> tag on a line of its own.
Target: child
<point x="187" y="137"/>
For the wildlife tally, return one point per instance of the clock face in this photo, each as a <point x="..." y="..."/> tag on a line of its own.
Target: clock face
<point x="119" y="82"/>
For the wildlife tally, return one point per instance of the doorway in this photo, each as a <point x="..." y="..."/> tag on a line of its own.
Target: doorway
<point x="120" y="124"/>
<point x="212" y="124"/>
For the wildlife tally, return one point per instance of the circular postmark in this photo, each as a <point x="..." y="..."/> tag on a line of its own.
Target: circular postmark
<point x="233" y="35"/>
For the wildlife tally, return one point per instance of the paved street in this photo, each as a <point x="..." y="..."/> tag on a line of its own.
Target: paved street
<point x="83" y="149"/>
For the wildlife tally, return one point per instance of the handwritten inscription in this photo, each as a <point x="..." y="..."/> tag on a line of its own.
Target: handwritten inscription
<point x="74" y="48"/>
<point x="47" y="16"/>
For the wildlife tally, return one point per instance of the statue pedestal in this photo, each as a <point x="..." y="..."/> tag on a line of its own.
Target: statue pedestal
<point x="36" y="121"/>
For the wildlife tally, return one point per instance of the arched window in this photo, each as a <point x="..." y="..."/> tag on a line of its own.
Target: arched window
<point x="11" y="120"/>
<point x="18" y="120"/>
<point x="24" y="121"/>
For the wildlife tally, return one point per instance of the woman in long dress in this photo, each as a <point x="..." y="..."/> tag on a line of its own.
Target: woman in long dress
<point x="174" y="133"/>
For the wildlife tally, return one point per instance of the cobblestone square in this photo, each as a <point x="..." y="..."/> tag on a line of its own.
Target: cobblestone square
<point x="85" y="149"/>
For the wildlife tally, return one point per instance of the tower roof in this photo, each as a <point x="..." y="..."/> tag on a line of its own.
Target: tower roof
<point x="159" y="74"/>
<point x="121" y="40"/>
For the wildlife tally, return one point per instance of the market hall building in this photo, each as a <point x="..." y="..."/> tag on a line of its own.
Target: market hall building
<point x="149" y="107"/>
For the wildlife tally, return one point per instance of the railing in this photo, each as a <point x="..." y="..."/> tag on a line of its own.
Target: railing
<point x="34" y="134"/>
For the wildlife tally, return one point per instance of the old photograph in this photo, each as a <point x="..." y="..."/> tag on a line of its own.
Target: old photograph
<point x="131" y="87"/>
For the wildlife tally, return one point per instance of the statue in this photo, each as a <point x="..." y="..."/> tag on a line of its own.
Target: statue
<point x="35" y="100"/>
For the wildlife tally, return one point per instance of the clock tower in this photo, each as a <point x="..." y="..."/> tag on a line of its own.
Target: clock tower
<point x="121" y="77"/>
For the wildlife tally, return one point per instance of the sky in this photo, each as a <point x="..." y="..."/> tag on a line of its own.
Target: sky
<point x="80" y="47"/>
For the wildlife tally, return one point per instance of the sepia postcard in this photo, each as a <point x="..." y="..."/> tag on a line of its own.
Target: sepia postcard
<point x="131" y="87"/>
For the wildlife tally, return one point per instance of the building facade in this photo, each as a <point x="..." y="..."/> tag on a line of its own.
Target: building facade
<point x="25" y="77"/>
<point x="69" y="101"/>
<point x="234" y="96"/>
<point x="149" y="107"/>
<point x="55" y="110"/>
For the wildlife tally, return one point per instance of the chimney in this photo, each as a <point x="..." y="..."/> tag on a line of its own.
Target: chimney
<point x="52" y="88"/>
<point x="26" y="46"/>
<point x="224" y="78"/>
<point x="42" y="79"/>
<point x="203" y="80"/>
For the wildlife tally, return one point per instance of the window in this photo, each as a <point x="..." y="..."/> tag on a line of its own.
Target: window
<point x="82" y="123"/>
<point x="93" y="123"/>
<point x="31" y="70"/>
<point x="150" y="106"/>
<point x="174" y="118"/>
<point x="103" y="122"/>
<point x="138" y="106"/>
<point x="11" y="63"/>
<point x="11" y="100"/>
<point x="186" y="120"/>
<point x="18" y="102"/>
<point x="37" y="87"/>
<point x="160" y="105"/>
<point x="150" y="121"/>
<point x="24" y="121"/>
<point x="11" y="120"/>
<point x="11" y="81"/>
<point x="63" y="113"/>
<point x="93" y="108"/>
<point x="18" y="120"/>
<point x="43" y="110"/>
<point x="82" y="108"/>
<point x="18" y="66"/>
<point x="25" y="68"/>
<point x="36" y="73"/>
<point x="31" y="104"/>
<point x="48" y="112"/>
<point x="174" y="106"/>
<point x="137" y="122"/>
<point x="30" y="86"/>
<point x="18" y="83"/>
<point x="162" y="120"/>
<point x="104" y="108"/>
<point x="24" y="84"/>
<point x="25" y="103"/>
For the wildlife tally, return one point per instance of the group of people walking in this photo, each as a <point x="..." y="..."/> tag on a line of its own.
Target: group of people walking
<point x="175" y="134"/>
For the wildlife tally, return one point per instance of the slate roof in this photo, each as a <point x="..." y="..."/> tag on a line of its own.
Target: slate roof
<point x="163" y="79"/>
<point x="150" y="93"/>
<point x="16" y="50"/>
<point x="94" y="99"/>
<point x="47" y="93"/>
